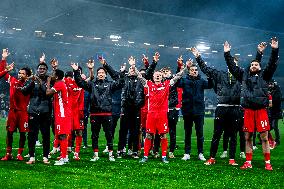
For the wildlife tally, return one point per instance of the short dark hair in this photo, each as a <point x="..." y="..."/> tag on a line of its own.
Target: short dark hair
<point x="42" y="64"/>
<point x="101" y="68"/>
<point x="69" y="74"/>
<point x="59" y="74"/>
<point x="80" y="68"/>
<point x="27" y="70"/>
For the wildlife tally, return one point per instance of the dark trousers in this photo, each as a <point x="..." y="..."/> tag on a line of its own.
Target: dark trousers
<point x="172" y="120"/>
<point x="274" y="125"/>
<point x="241" y="135"/>
<point x="96" y="123"/>
<point x="115" y="118"/>
<point x="85" y="131"/>
<point x="129" y="123"/>
<point x="39" y="122"/>
<point x="228" y="119"/>
<point x="198" y="121"/>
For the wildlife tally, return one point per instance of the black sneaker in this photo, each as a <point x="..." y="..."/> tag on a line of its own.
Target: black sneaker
<point x="135" y="155"/>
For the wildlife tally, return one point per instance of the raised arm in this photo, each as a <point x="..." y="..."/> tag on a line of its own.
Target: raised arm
<point x="78" y="79"/>
<point x="151" y="69"/>
<point x="131" y="62"/>
<point x="234" y="69"/>
<point x="4" y="73"/>
<point x="180" y="74"/>
<point x="272" y="63"/>
<point x="209" y="72"/>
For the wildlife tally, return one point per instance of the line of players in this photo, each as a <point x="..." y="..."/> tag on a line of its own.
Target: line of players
<point x="152" y="89"/>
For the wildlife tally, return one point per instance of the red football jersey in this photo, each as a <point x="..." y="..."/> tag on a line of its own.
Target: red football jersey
<point x="74" y="92"/>
<point x="60" y="101"/>
<point x="158" y="96"/>
<point x="17" y="100"/>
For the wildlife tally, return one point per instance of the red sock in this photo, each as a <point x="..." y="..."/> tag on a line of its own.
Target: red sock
<point x="96" y="150"/>
<point x="63" y="147"/>
<point x="147" y="146"/>
<point x="20" y="150"/>
<point x="248" y="156"/>
<point x="78" y="143"/>
<point x="69" y="138"/>
<point x="267" y="156"/>
<point x="9" y="150"/>
<point x="164" y="146"/>
<point x="56" y="141"/>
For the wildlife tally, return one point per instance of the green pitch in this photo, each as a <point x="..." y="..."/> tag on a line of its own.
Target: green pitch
<point x="129" y="173"/>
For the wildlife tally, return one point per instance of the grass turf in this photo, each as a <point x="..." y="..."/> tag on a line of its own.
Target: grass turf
<point x="129" y="173"/>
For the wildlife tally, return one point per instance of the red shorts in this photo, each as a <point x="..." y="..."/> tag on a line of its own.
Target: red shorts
<point x="77" y="120"/>
<point x="256" y="120"/>
<point x="18" y="119"/>
<point x="62" y="125"/>
<point x="157" y="122"/>
<point x="143" y="118"/>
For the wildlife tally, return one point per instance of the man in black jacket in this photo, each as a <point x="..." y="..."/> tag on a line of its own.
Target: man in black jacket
<point x="275" y="112"/>
<point x="228" y="114"/>
<point x="100" y="91"/>
<point x="254" y="99"/>
<point x="132" y="99"/>
<point x="193" y="108"/>
<point x="39" y="110"/>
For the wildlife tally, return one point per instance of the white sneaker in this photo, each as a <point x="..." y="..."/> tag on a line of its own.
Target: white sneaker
<point x="224" y="155"/>
<point x="201" y="157"/>
<point x="171" y="155"/>
<point x="111" y="158"/>
<point x="254" y="148"/>
<point x="124" y="150"/>
<point x="106" y="150"/>
<point x="186" y="157"/>
<point x="38" y="143"/>
<point x="95" y="158"/>
<point x="129" y="152"/>
<point x="45" y="160"/>
<point x="243" y="155"/>
<point x="53" y="151"/>
<point x="60" y="162"/>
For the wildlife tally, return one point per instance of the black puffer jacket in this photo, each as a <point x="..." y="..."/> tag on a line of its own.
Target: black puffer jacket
<point x="228" y="89"/>
<point x="132" y="93"/>
<point x="275" y="111"/>
<point x="254" y="91"/>
<point x="100" y="91"/>
<point x="39" y="101"/>
<point x="173" y="96"/>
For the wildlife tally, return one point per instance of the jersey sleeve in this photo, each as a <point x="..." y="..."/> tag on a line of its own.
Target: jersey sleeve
<point x="57" y="86"/>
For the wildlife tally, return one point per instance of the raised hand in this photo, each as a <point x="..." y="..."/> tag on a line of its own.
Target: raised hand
<point x="180" y="61"/>
<point x="194" y="51"/>
<point x="189" y="63"/>
<point x="102" y="60"/>
<point x="156" y="57"/>
<point x="261" y="47"/>
<point x="74" y="66"/>
<point x="42" y="58"/>
<point x="145" y="60"/>
<point x="131" y="61"/>
<point x="227" y="46"/>
<point x="54" y="63"/>
<point x="123" y="67"/>
<point x="10" y="67"/>
<point x="5" y="54"/>
<point x="274" y="43"/>
<point x="90" y="64"/>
